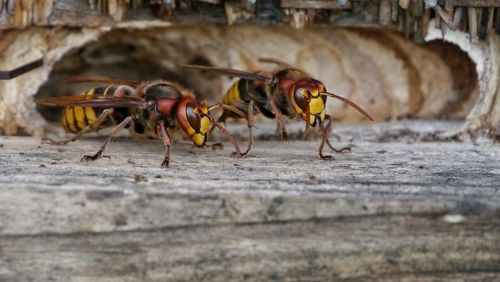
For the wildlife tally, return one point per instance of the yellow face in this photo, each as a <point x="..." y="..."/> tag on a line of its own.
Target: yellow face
<point x="306" y="94"/>
<point x="316" y="109"/>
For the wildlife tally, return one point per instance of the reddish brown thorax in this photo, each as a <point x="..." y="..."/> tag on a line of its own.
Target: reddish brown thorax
<point x="165" y="106"/>
<point x="284" y="84"/>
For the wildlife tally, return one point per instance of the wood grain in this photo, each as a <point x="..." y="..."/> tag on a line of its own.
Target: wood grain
<point x="386" y="211"/>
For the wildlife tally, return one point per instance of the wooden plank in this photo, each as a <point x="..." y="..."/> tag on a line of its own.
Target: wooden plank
<point x="445" y="16"/>
<point x="418" y="13"/>
<point x="407" y="23"/>
<point x="79" y="14"/>
<point x="449" y="8"/>
<point x="394" y="10"/>
<point x="418" y="8"/>
<point x="215" y="2"/>
<point x="384" y="13"/>
<point x="473" y="25"/>
<point x="497" y="20"/>
<point x="386" y="211"/>
<point x="315" y="4"/>
<point x="457" y="17"/>
<point x="477" y="3"/>
<point x="425" y="22"/>
<point x="491" y="15"/>
<point x="404" y="4"/>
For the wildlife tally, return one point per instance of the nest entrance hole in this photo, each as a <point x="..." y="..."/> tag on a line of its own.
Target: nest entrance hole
<point x="153" y="54"/>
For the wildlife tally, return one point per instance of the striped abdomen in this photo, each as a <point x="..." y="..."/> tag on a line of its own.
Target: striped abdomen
<point x="242" y="92"/>
<point x="76" y="118"/>
<point x="233" y="93"/>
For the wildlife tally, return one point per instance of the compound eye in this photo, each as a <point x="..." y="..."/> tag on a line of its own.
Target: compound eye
<point x="124" y="91"/>
<point x="194" y="119"/>
<point x="300" y="97"/>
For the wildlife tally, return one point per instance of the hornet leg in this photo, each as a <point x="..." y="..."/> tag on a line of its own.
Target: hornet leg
<point x="115" y="131"/>
<point x="224" y="131"/>
<point x="160" y="128"/>
<point x="279" y="118"/>
<point x="324" y="139"/>
<point x="250" y="125"/>
<point x="221" y="119"/>
<point x="249" y="118"/>
<point x="341" y="150"/>
<point x="217" y="146"/>
<point x="89" y="128"/>
<point x="308" y="125"/>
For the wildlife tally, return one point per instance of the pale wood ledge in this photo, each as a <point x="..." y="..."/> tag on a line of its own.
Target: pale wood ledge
<point x="395" y="211"/>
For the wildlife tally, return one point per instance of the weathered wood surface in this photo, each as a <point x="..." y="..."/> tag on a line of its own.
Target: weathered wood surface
<point x="400" y="211"/>
<point x="78" y="13"/>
